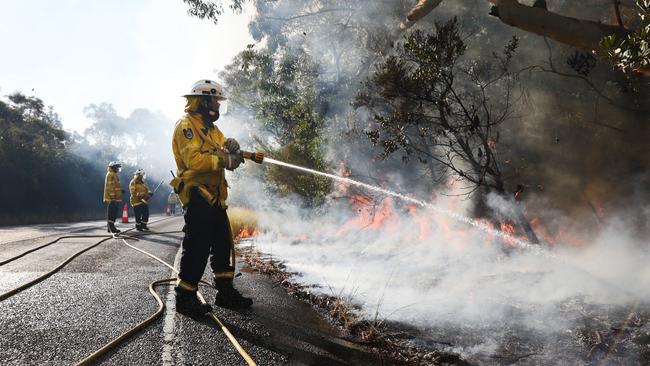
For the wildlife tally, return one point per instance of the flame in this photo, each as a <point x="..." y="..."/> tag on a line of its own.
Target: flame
<point x="247" y="232"/>
<point x="423" y="222"/>
<point x="370" y="215"/>
<point x="492" y="144"/>
<point x="415" y="223"/>
<point x="509" y="229"/>
<point x="559" y="236"/>
<point x="343" y="171"/>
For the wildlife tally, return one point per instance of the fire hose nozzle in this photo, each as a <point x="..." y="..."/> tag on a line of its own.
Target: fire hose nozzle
<point x="256" y="156"/>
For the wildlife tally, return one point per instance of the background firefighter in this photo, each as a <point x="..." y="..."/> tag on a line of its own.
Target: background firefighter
<point x="112" y="194"/>
<point x="202" y="153"/>
<point x="140" y="195"/>
<point x="172" y="201"/>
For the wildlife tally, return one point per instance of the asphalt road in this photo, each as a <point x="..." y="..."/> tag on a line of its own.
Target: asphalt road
<point x="103" y="293"/>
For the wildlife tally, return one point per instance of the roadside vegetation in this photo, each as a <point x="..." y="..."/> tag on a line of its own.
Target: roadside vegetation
<point x="52" y="175"/>
<point x="389" y="340"/>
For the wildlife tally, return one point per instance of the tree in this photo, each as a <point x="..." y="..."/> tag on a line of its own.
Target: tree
<point x="211" y="9"/>
<point x="281" y="92"/>
<point x="430" y="105"/>
<point x="134" y="139"/>
<point x="46" y="180"/>
<point x="574" y="113"/>
<point x="587" y="35"/>
<point x="631" y="52"/>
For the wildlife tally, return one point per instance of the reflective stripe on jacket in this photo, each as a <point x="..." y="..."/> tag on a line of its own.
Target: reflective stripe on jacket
<point x="139" y="192"/>
<point x="112" y="187"/>
<point x="198" y="151"/>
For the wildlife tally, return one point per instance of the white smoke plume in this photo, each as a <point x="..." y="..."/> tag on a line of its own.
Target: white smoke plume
<point x="462" y="285"/>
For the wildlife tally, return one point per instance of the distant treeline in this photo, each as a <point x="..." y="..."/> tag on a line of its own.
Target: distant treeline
<point x="45" y="177"/>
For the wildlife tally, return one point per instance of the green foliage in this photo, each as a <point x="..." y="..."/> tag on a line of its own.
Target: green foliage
<point x="44" y="180"/>
<point x="633" y="52"/>
<point x="55" y="176"/>
<point x="582" y="62"/>
<point x="210" y="9"/>
<point x="313" y="189"/>
<point x="283" y="94"/>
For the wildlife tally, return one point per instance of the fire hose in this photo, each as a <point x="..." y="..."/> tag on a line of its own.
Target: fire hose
<point x="256" y="156"/>
<point x="161" y="307"/>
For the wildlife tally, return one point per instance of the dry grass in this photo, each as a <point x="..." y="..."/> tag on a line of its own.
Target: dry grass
<point x="373" y="333"/>
<point x="241" y="218"/>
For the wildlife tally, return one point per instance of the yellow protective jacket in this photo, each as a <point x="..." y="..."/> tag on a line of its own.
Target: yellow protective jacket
<point x="172" y="199"/>
<point x="112" y="187"/>
<point x="198" y="151"/>
<point x="139" y="192"/>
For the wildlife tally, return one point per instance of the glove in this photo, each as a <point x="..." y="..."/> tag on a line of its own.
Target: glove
<point x="232" y="161"/>
<point x="150" y="194"/>
<point x="231" y="145"/>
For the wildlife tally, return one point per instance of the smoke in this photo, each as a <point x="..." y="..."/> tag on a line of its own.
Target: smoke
<point x="577" y="147"/>
<point x="463" y="286"/>
<point x="141" y="140"/>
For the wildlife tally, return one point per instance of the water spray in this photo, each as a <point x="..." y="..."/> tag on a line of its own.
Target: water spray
<point x="536" y="249"/>
<point x="259" y="158"/>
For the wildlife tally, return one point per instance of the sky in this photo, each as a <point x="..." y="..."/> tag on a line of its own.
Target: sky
<point x="132" y="54"/>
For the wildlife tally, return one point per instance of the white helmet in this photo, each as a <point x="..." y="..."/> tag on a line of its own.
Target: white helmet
<point x="139" y="172"/>
<point x="114" y="164"/>
<point x="206" y="87"/>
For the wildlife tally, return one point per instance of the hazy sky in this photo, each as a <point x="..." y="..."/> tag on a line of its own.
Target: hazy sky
<point x="133" y="54"/>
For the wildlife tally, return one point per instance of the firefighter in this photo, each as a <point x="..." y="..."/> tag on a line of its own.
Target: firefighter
<point x="140" y="195"/>
<point x="202" y="153"/>
<point x="172" y="201"/>
<point x="112" y="194"/>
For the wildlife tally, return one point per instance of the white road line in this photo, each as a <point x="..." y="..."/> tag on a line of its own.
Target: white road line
<point x="170" y="324"/>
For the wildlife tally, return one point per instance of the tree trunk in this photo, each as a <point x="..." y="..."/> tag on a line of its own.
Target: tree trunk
<point x="520" y="218"/>
<point x="419" y="11"/>
<point x="579" y="33"/>
<point x="525" y="224"/>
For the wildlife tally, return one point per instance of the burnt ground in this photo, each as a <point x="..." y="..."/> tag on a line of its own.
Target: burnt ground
<point x="596" y="335"/>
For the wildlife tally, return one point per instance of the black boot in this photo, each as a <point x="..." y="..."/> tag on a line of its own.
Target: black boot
<point x="145" y="227"/>
<point x="228" y="296"/>
<point x="138" y="227"/>
<point x="112" y="229"/>
<point x="187" y="303"/>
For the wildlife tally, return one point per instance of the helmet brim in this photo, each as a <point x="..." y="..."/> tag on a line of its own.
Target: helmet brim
<point x="204" y="95"/>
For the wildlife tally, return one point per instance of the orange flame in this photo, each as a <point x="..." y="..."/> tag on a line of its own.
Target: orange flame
<point x="418" y="223"/>
<point x="247" y="232"/>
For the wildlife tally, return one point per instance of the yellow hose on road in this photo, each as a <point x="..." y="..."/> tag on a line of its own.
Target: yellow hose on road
<point x="224" y="329"/>
<point x="38" y="279"/>
<point x="161" y="307"/>
<point x="2" y="263"/>
<point x="107" y="347"/>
